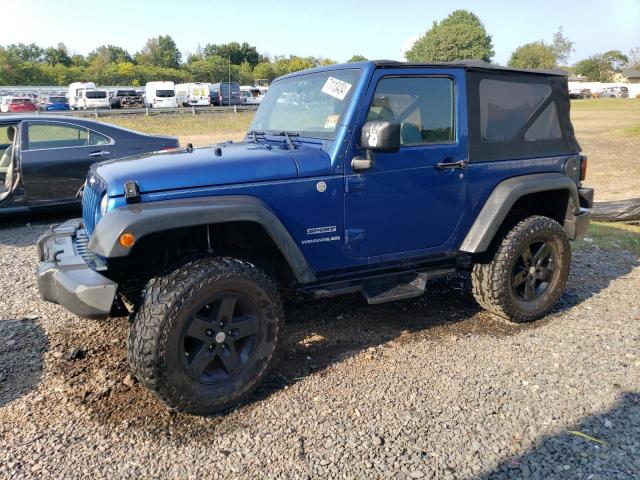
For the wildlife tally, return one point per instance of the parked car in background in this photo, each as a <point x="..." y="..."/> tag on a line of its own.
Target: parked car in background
<point x="225" y="93"/>
<point x="576" y="93"/>
<point x="44" y="159"/>
<point x="74" y="92"/>
<point x="196" y="94"/>
<point x="4" y="103"/>
<point x="17" y="105"/>
<point x="250" y="95"/>
<point x="160" y="95"/>
<point x="53" y="102"/>
<point x="125" y="99"/>
<point x="613" y="92"/>
<point x="92" y="98"/>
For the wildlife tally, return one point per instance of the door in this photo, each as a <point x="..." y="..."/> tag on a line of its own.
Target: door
<point x="410" y="200"/>
<point x="55" y="157"/>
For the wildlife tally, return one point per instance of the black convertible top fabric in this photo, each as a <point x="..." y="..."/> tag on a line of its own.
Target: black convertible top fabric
<point x="519" y="145"/>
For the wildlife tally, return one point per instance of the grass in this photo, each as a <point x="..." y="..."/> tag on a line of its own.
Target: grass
<point x="612" y="237"/>
<point x="633" y="132"/>
<point x="200" y="129"/>
<point x="606" y="104"/>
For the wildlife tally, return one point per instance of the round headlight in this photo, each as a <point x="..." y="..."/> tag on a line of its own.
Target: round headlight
<point x="103" y="204"/>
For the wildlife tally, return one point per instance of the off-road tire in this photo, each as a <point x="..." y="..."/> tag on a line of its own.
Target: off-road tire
<point x="492" y="276"/>
<point x="153" y="344"/>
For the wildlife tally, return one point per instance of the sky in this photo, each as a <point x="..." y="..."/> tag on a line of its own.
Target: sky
<point x="327" y="28"/>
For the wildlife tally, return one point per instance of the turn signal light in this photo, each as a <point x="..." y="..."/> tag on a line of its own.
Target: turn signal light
<point x="583" y="167"/>
<point x="127" y="240"/>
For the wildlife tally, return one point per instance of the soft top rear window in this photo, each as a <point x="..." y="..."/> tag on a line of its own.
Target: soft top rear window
<point x="505" y="107"/>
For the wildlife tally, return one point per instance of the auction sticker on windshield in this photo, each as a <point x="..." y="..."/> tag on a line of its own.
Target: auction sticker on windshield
<point x="331" y="121"/>
<point x="336" y="88"/>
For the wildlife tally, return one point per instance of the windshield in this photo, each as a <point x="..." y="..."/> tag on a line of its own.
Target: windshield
<point x="126" y="93"/>
<point x="58" y="99"/>
<point x="20" y="100"/>
<point x="96" y="94"/>
<point x="311" y="104"/>
<point x="165" y="93"/>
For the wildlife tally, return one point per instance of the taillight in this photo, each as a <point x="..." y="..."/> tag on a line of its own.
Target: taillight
<point x="583" y="167"/>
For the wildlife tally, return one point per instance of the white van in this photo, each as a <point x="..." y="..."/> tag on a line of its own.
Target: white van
<point x="75" y="89"/>
<point x="251" y="95"/>
<point x="160" y="95"/>
<point x="90" y="98"/>
<point x="192" y="94"/>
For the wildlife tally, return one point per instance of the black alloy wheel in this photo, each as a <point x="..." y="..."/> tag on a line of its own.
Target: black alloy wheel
<point x="219" y="339"/>
<point x="533" y="270"/>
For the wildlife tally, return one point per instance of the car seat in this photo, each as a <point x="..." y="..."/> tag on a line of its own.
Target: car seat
<point x="5" y="162"/>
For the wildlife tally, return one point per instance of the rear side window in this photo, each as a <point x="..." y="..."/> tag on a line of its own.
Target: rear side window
<point x="505" y="107"/>
<point x="58" y="135"/>
<point x="423" y="106"/>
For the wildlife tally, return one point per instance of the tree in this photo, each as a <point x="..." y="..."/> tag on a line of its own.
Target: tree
<point x="357" y="58"/>
<point x="160" y="52"/>
<point x="57" y="55"/>
<point x="617" y="59"/>
<point x="26" y="53"/>
<point x="235" y="51"/>
<point x="634" y="58"/>
<point x="109" y="54"/>
<point x="597" y="68"/>
<point x="459" y="36"/>
<point x="562" y="46"/>
<point x="533" y="55"/>
<point x="264" y="70"/>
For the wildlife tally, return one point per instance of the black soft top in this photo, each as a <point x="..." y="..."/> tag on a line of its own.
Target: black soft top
<point x="469" y="65"/>
<point x="512" y="113"/>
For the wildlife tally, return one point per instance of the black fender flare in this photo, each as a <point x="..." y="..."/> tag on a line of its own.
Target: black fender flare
<point x="504" y="196"/>
<point x="144" y="218"/>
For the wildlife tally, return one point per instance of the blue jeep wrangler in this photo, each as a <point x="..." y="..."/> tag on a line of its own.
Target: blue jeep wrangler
<point x="371" y="177"/>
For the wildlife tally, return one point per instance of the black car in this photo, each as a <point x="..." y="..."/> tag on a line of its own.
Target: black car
<point x="125" y="98"/>
<point x="44" y="159"/>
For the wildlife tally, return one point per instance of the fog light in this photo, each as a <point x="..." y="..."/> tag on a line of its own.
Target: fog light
<point x="127" y="240"/>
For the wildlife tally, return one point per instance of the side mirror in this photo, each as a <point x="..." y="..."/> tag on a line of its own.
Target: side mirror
<point x="376" y="137"/>
<point x="380" y="136"/>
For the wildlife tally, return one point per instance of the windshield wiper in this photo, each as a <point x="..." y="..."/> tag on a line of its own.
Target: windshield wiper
<point x="254" y="135"/>
<point x="288" y="135"/>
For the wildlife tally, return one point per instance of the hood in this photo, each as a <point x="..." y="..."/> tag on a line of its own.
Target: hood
<point x="238" y="163"/>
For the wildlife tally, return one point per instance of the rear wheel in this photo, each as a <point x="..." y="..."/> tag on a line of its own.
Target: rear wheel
<point x="205" y="334"/>
<point x="525" y="275"/>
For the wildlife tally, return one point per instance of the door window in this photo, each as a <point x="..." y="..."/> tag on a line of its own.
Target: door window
<point x="423" y="106"/>
<point x="58" y="135"/>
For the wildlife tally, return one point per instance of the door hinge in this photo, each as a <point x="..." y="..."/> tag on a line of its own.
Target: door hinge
<point x="353" y="184"/>
<point x="353" y="236"/>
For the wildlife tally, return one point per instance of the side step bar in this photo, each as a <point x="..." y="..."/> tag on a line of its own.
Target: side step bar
<point x="380" y="288"/>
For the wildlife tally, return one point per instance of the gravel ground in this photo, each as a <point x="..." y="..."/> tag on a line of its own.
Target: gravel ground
<point x="414" y="389"/>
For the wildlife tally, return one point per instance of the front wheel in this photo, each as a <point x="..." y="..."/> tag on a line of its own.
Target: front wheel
<point x="205" y="334"/>
<point x="526" y="274"/>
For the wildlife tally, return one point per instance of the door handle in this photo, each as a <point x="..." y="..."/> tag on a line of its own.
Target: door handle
<point x="452" y="165"/>
<point x="99" y="153"/>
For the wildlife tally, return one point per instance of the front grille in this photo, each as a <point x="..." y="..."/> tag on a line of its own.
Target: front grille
<point x="91" y="203"/>
<point x="82" y="248"/>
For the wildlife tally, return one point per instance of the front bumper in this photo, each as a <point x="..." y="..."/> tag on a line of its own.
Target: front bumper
<point x="64" y="277"/>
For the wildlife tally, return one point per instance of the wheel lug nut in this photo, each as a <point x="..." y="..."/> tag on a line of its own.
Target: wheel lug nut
<point x="209" y="332"/>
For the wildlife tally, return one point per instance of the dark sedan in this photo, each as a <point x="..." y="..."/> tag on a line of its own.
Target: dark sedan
<point x="44" y="159"/>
